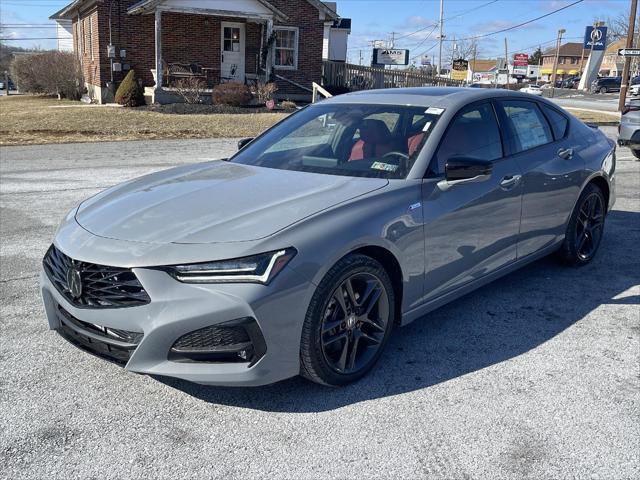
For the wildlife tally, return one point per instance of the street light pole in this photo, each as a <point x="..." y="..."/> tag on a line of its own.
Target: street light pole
<point x="625" y="70"/>
<point x="554" y="73"/>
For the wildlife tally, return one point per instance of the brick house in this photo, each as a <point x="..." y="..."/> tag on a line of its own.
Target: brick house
<point x="213" y="40"/>
<point x="572" y="58"/>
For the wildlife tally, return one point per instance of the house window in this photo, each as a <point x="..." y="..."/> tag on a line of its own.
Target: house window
<point x="286" y="47"/>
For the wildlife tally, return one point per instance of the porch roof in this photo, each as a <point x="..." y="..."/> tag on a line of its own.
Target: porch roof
<point x="227" y="8"/>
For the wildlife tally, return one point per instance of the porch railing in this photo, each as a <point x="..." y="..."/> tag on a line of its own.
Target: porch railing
<point x="358" y="77"/>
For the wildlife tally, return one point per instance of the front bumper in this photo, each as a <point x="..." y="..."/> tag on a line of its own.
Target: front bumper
<point x="177" y="309"/>
<point x="629" y="135"/>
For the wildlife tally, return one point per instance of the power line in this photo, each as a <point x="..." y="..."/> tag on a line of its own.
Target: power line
<point x="521" y="24"/>
<point x="25" y="39"/>
<point x="446" y="19"/>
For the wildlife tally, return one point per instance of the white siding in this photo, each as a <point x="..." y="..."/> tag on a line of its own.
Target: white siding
<point x="242" y="6"/>
<point x="64" y="33"/>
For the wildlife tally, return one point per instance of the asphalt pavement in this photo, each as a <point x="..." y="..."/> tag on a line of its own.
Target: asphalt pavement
<point x="533" y="376"/>
<point x="606" y="102"/>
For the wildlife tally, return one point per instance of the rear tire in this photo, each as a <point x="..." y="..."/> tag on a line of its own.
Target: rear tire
<point x="636" y="153"/>
<point x="585" y="228"/>
<point x="348" y="322"/>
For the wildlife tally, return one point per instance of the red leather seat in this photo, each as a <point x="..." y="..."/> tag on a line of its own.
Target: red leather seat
<point x="414" y="142"/>
<point x="375" y="140"/>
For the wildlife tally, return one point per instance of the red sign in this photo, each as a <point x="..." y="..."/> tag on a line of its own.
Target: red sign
<point x="521" y="59"/>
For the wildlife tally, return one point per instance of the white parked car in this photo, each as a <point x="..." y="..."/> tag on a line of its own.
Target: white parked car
<point x="634" y="90"/>
<point x="532" y="89"/>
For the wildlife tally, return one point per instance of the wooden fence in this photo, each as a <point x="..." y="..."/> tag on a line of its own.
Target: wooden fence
<point x="358" y="77"/>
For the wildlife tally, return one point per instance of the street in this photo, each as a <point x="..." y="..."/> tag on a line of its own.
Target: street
<point x="607" y="102"/>
<point x="532" y="376"/>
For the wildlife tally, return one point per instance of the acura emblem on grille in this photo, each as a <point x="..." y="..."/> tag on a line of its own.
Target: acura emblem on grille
<point x="74" y="282"/>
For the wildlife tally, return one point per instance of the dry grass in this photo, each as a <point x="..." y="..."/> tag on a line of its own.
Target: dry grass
<point x="594" y="116"/>
<point x="27" y="120"/>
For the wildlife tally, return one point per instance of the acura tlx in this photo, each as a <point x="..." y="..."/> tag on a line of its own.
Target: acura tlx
<point x="300" y="253"/>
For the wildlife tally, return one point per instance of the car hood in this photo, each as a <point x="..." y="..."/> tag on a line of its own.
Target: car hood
<point x="215" y="202"/>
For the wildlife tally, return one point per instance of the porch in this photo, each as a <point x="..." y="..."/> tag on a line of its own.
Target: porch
<point x="209" y="42"/>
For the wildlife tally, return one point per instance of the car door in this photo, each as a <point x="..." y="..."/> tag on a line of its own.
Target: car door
<point x="551" y="167"/>
<point x="471" y="229"/>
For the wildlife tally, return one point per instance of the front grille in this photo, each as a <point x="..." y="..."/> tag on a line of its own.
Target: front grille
<point x="101" y="286"/>
<point x="109" y="343"/>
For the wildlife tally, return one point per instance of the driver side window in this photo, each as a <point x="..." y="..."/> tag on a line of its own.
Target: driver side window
<point x="473" y="133"/>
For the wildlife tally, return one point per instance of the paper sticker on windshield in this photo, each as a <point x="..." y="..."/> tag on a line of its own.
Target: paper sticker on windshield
<point x="434" y="111"/>
<point x="426" y="126"/>
<point x="386" y="167"/>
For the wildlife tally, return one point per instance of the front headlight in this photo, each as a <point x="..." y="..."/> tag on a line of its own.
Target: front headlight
<point x="260" y="268"/>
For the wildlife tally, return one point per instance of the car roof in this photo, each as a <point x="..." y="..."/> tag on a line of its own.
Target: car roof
<point x="446" y="97"/>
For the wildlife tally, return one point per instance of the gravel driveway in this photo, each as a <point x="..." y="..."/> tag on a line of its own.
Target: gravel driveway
<point x="533" y="376"/>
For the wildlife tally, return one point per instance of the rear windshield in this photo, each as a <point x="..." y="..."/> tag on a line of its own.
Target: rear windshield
<point x="345" y="139"/>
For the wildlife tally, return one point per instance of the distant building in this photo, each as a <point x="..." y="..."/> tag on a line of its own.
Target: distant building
<point x="572" y="58"/>
<point x="612" y="64"/>
<point x="336" y="37"/>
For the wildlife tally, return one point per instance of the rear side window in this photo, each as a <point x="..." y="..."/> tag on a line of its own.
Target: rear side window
<point x="529" y="127"/>
<point x="473" y="133"/>
<point x="558" y="122"/>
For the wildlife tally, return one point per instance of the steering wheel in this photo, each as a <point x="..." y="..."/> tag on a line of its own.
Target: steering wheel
<point x="397" y="154"/>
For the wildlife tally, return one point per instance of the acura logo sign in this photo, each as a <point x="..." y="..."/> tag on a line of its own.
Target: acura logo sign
<point x="596" y="35"/>
<point x="74" y="282"/>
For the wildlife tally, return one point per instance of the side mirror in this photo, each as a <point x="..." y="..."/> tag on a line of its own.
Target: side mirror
<point x="243" y="142"/>
<point x="460" y="170"/>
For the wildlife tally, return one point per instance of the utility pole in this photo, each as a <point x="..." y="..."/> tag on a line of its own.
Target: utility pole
<point x="441" y="37"/>
<point x="554" y="73"/>
<point x="360" y="61"/>
<point x="393" y="39"/>
<point x="627" y="60"/>
<point x="506" y="59"/>
<point x="454" y="47"/>
<point x="475" y="56"/>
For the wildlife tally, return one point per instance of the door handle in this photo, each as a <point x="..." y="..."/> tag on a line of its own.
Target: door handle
<point x="510" y="181"/>
<point x="566" y="153"/>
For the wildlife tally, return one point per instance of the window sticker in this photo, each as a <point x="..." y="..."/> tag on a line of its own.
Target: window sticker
<point x="385" y="167"/>
<point x="434" y="111"/>
<point x="426" y="126"/>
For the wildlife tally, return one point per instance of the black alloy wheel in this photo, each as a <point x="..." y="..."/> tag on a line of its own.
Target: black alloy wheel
<point x="354" y="323"/>
<point x="585" y="228"/>
<point x="589" y="226"/>
<point x="348" y="322"/>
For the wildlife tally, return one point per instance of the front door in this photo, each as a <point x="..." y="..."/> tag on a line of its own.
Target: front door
<point x="471" y="229"/>
<point x="232" y="55"/>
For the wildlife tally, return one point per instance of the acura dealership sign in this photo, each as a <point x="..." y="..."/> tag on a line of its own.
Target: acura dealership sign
<point x="595" y="38"/>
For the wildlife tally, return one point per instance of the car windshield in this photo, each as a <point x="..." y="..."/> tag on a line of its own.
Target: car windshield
<point x="345" y="139"/>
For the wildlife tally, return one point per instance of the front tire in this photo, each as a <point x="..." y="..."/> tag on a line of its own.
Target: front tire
<point x="585" y="228"/>
<point x="348" y="322"/>
<point x="603" y="90"/>
<point x="636" y="153"/>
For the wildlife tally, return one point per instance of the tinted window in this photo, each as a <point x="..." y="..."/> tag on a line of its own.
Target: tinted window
<point x="530" y="128"/>
<point x="342" y="139"/>
<point x="558" y="121"/>
<point x="473" y="133"/>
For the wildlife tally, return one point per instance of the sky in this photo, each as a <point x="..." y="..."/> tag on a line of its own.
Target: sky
<point x="413" y="22"/>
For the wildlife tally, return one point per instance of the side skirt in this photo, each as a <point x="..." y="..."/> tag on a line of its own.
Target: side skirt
<point x="411" y="315"/>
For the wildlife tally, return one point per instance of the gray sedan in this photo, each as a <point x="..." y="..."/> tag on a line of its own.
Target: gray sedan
<point x="302" y="252"/>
